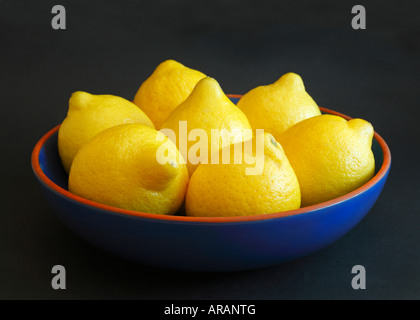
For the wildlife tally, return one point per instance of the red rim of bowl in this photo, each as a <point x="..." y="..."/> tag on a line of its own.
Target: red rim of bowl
<point x="65" y="193"/>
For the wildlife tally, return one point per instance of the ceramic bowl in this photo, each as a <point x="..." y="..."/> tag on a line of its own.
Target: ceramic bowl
<point x="206" y="244"/>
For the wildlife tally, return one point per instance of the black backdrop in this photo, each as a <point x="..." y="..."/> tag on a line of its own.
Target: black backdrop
<point x="112" y="46"/>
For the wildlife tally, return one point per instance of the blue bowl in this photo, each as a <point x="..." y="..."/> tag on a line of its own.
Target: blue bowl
<point x="206" y="244"/>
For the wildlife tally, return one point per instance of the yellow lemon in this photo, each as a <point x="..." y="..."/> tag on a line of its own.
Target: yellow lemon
<point x="262" y="182"/>
<point x="123" y="167"/>
<point x="330" y="156"/>
<point x="89" y="114"/>
<point x="206" y="121"/>
<point x="168" y="86"/>
<point x="278" y="106"/>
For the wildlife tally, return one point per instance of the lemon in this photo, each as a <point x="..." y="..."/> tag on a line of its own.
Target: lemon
<point x="209" y="111"/>
<point x="89" y="114"/>
<point x="278" y="106"/>
<point x="122" y="167"/>
<point x="330" y="156"/>
<point x="230" y="189"/>
<point x="168" y="86"/>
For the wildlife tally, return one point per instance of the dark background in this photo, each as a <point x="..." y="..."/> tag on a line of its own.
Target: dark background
<point x="113" y="46"/>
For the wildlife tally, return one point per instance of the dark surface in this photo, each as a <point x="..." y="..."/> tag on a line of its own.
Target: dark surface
<point x="112" y="46"/>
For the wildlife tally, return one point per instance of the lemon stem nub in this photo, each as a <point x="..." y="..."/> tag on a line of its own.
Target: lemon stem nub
<point x="273" y="141"/>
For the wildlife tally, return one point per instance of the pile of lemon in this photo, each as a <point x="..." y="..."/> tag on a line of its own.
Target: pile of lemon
<point x="117" y="153"/>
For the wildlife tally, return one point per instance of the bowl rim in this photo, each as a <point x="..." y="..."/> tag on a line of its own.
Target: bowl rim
<point x="67" y="194"/>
